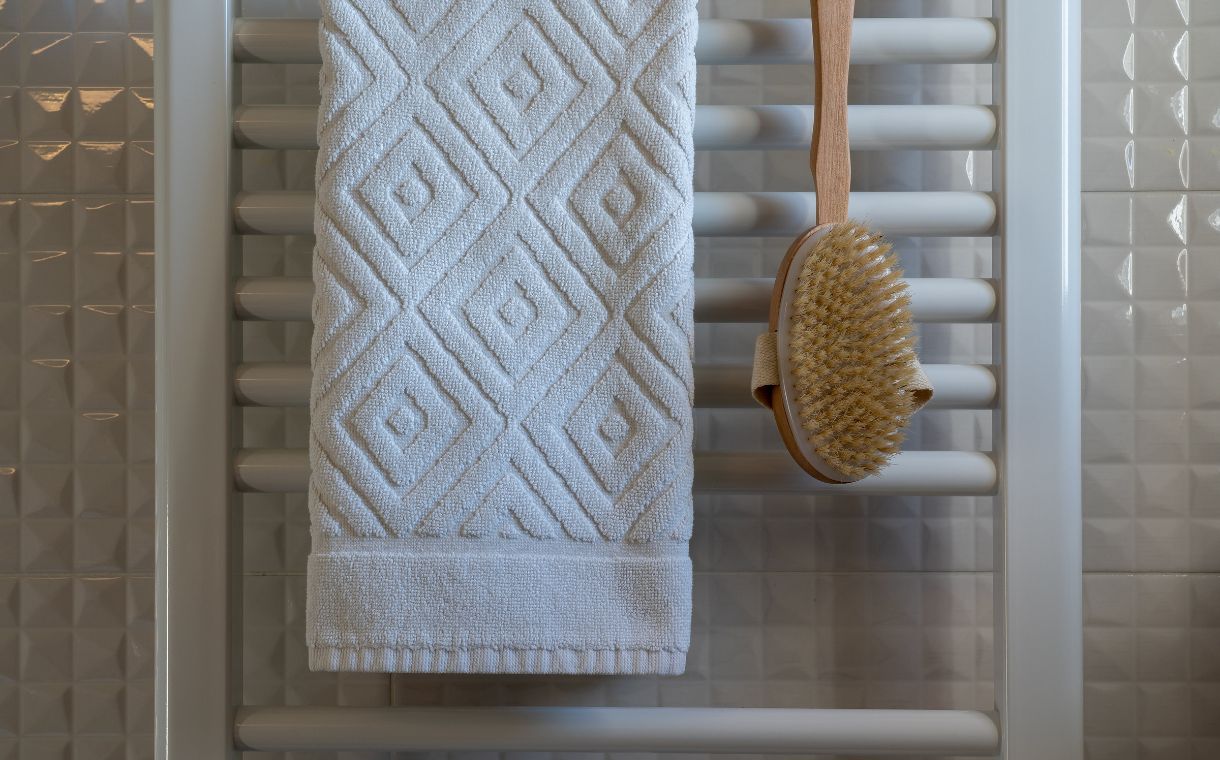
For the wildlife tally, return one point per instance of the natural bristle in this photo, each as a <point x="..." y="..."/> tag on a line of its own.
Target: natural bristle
<point x="852" y="350"/>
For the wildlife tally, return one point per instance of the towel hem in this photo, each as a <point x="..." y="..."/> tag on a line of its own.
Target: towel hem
<point x="489" y="660"/>
<point x="433" y="605"/>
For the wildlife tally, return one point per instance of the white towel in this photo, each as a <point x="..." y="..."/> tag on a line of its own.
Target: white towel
<point x="502" y="382"/>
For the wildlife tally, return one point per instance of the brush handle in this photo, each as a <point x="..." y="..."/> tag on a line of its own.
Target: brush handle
<point x="830" y="151"/>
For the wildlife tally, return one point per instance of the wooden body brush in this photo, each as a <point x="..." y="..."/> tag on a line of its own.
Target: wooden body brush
<point x="838" y="366"/>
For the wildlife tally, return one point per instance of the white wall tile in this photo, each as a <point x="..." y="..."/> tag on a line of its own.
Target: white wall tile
<point x="1150" y="664"/>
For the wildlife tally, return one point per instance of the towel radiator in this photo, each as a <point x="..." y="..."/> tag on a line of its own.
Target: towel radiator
<point x="1033" y="386"/>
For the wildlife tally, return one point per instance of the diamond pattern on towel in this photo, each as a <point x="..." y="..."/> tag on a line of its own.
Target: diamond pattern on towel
<point x="414" y="194"/>
<point x="505" y="308"/>
<point x="622" y="200"/>
<point x="502" y="349"/>
<point x="524" y="84"/>
<point x="517" y="312"/>
<point x="406" y="421"/>
<point x="526" y="76"/>
<point x="617" y="428"/>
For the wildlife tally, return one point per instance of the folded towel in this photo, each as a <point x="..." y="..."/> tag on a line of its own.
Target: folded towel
<point x="502" y="383"/>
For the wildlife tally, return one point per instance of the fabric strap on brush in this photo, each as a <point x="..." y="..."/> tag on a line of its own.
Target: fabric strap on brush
<point x="764" y="377"/>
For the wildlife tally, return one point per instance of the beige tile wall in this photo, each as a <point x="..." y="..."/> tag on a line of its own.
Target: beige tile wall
<point x="1151" y="363"/>
<point x="76" y="357"/>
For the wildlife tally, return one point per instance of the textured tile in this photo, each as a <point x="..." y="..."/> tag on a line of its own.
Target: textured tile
<point x="1147" y="96"/>
<point x="1144" y="322"/>
<point x="76" y="667"/>
<point x="1150" y="664"/>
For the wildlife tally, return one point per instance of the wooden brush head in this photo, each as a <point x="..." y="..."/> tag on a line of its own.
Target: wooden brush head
<point x="846" y="351"/>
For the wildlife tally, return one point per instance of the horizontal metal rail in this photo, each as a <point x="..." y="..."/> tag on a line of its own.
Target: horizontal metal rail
<point x="940" y="214"/>
<point x="960" y="733"/>
<point x="717" y="299"/>
<point x="958" y="386"/>
<point x="913" y="127"/>
<point x="926" y="473"/>
<point x="721" y="41"/>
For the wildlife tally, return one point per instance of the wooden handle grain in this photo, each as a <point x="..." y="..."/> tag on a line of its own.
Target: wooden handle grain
<point x="830" y="151"/>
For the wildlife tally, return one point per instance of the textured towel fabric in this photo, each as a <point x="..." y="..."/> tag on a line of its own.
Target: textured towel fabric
<point x="502" y="384"/>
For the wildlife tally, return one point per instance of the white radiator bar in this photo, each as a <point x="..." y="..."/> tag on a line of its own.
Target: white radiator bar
<point x="969" y="214"/>
<point x="717" y="299"/>
<point x="198" y="559"/>
<point x="914" y="127"/>
<point x="619" y="729"/>
<point x="958" y="386"/>
<point x="939" y="473"/>
<point x="725" y="41"/>
<point x="1038" y="608"/>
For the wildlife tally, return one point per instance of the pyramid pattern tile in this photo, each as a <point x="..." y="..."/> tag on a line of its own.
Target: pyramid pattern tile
<point x="76" y="312"/>
<point x="1151" y="266"/>
<point x="76" y="110"/>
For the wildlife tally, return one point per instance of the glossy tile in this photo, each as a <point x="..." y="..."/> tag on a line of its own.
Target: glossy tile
<point x="75" y="496"/>
<point x="1147" y="99"/>
<point x="1149" y="339"/>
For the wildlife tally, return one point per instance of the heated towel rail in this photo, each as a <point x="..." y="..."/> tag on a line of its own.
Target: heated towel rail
<point x="1033" y="386"/>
